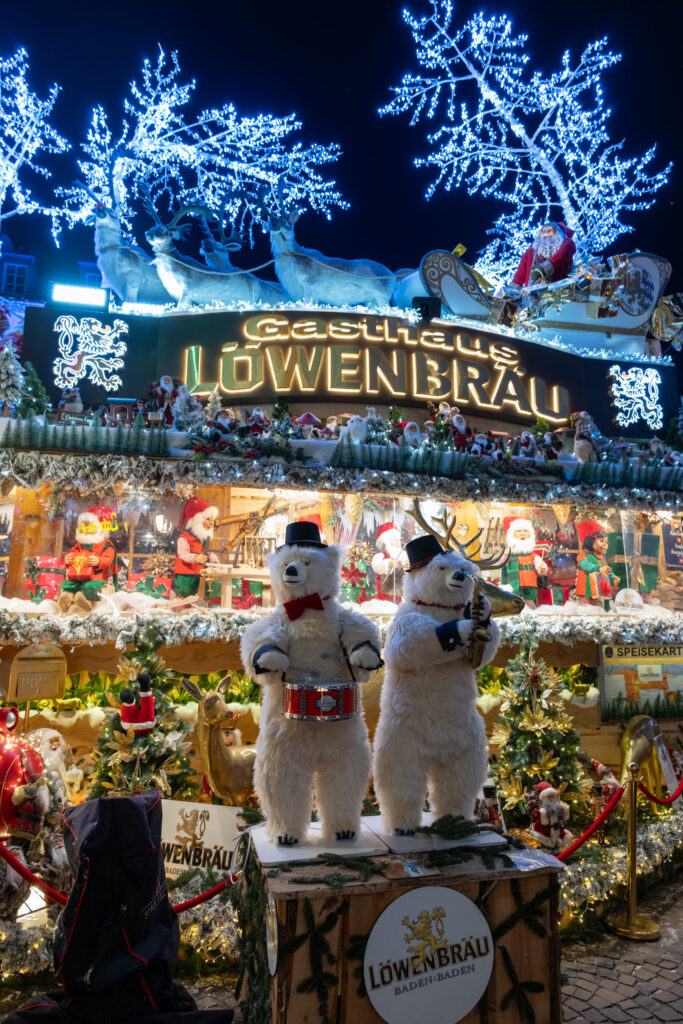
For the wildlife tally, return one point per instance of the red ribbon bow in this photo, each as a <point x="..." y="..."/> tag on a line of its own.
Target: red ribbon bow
<point x="299" y="605"/>
<point x="352" y="575"/>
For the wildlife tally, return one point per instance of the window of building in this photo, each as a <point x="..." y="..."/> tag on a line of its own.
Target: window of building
<point x="14" y="279"/>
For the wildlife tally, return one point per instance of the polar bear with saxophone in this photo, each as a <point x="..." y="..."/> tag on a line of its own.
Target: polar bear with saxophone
<point x="430" y="737"/>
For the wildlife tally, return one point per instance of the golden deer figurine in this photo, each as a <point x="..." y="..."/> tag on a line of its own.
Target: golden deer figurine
<point x="229" y="770"/>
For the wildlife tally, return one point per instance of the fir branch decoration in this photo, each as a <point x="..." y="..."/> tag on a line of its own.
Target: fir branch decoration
<point x="518" y="990"/>
<point x="321" y="956"/>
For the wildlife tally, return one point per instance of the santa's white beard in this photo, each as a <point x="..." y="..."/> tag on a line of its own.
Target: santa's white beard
<point x="393" y="550"/>
<point x="194" y="526"/>
<point x="521" y="547"/>
<point x="90" y="538"/>
<point x="545" y="248"/>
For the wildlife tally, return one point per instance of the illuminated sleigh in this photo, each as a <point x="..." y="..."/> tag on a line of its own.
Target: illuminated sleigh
<point x="611" y="312"/>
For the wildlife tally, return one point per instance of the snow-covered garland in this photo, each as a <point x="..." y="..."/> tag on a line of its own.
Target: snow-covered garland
<point x="225" y="627"/>
<point x="587" y="882"/>
<point x="99" y="474"/>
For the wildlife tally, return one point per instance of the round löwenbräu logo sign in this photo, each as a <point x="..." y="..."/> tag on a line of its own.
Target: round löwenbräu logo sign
<point x="429" y="957"/>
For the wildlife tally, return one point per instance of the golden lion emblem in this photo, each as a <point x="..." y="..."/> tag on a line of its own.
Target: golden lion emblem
<point x="423" y="938"/>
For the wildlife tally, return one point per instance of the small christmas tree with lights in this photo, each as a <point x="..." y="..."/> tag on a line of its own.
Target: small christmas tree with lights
<point x="130" y="759"/>
<point x="188" y="413"/>
<point x="33" y="393"/>
<point x="535" y="738"/>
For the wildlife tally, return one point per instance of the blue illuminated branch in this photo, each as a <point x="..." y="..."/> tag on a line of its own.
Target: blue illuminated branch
<point x="539" y="144"/>
<point x="230" y="163"/>
<point x="25" y="135"/>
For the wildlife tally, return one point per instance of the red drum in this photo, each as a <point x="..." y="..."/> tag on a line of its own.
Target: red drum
<point x="331" y="702"/>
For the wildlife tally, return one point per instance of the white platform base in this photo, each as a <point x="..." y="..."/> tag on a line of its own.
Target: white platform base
<point x="366" y="844"/>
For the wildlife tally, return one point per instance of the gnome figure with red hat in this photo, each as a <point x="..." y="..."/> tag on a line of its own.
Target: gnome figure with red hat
<point x="525" y="569"/>
<point x="197" y="525"/>
<point x="596" y="582"/>
<point x="387" y="563"/>
<point x="92" y="562"/>
<point x="549" y="817"/>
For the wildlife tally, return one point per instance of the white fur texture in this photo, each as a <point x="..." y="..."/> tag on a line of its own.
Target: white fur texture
<point x="295" y="758"/>
<point x="430" y="736"/>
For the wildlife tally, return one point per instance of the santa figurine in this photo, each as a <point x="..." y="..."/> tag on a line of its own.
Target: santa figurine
<point x="92" y="562"/>
<point x="197" y="525"/>
<point x="549" y="817"/>
<point x="165" y="392"/>
<point x="596" y="583"/>
<point x="526" y="567"/>
<point x="138" y="716"/>
<point x="387" y="563"/>
<point x="460" y="431"/>
<point x="549" y="259"/>
<point x="258" y="423"/>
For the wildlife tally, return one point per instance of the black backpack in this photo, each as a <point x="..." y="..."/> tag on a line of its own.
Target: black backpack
<point x="117" y="939"/>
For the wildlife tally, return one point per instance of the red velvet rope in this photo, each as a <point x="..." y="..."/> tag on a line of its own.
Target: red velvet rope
<point x="663" y="801"/>
<point x="58" y="897"/>
<point x="591" y="828"/>
<point x="51" y="894"/>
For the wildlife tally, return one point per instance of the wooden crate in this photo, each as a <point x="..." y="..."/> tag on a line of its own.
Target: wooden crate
<point x="534" y="958"/>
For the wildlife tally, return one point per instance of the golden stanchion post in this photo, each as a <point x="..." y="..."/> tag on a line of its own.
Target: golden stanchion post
<point x="632" y="925"/>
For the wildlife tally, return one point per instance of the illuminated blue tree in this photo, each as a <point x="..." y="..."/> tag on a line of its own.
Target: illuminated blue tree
<point x="537" y="143"/>
<point x="234" y="165"/>
<point x="25" y="135"/>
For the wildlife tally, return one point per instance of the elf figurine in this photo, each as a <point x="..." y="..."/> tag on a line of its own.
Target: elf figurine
<point x="387" y="563"/>
<point x="197" y="525"/>
<point x="92" y="562"/>
<point x="138" y="717"/>
<point x="595" y="581"/>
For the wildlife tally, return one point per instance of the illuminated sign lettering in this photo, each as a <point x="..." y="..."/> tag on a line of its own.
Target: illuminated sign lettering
<point x="373" y="357"/>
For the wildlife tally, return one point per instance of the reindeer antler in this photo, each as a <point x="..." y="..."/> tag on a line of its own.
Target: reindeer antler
<point x="447" y="540"/>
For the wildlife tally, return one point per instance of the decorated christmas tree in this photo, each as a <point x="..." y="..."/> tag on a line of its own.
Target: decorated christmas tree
<point x="187" y="412"/>
<point x="33" y="394"/>
<point x="11" y="377"/>
<point x="535" y="739"/>
<point x="130" y="757"/>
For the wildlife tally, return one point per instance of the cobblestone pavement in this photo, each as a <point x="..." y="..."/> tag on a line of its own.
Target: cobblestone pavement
<point x="615" y="981"/>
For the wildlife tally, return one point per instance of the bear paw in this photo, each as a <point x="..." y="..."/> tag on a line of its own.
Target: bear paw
<point x="366" y="656"/>
<point x="404" y="831"/>
<point x="273" y="660"/>
<point x="346" y="833"/>
<point x="287" y="840"/>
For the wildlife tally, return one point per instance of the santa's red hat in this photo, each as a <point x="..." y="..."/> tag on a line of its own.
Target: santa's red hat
<point x="8" y="719"/>
<point x="384" y="528"/>
<point x="587" y="528"/>
<point x="99" y="519"/>
<point x="193" y="506"/>
<point x="513" y="522"/>
<point x="541" y="787"/>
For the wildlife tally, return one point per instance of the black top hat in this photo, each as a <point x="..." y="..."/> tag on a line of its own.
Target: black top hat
<point x="421" y="551"/>
<point x="303" y="535"/>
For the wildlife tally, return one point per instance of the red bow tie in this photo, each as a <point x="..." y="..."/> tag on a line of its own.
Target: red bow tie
<point x="299" y="605"/>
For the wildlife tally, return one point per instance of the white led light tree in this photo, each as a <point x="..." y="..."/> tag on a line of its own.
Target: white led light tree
<point x="165" y="153"/>
<point x="538" y="144"/>
<point x="25" y="136"/>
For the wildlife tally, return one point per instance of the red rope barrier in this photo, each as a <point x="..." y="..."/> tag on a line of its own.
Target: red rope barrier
<point x="591" y="828"/>
<point x="51" y="894"/>
<point x="203" y="896"/>
<point x="663" y="801"/>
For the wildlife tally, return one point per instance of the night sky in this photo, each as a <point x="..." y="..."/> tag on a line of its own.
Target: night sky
<point x="332" y="65"/>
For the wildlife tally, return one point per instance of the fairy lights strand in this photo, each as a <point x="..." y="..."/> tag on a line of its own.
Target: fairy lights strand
<point x="539" y="144"/>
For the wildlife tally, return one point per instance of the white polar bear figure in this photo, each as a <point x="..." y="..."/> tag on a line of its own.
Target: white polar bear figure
<point x="430" y="736"/>
<point x="309" y="636"/>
